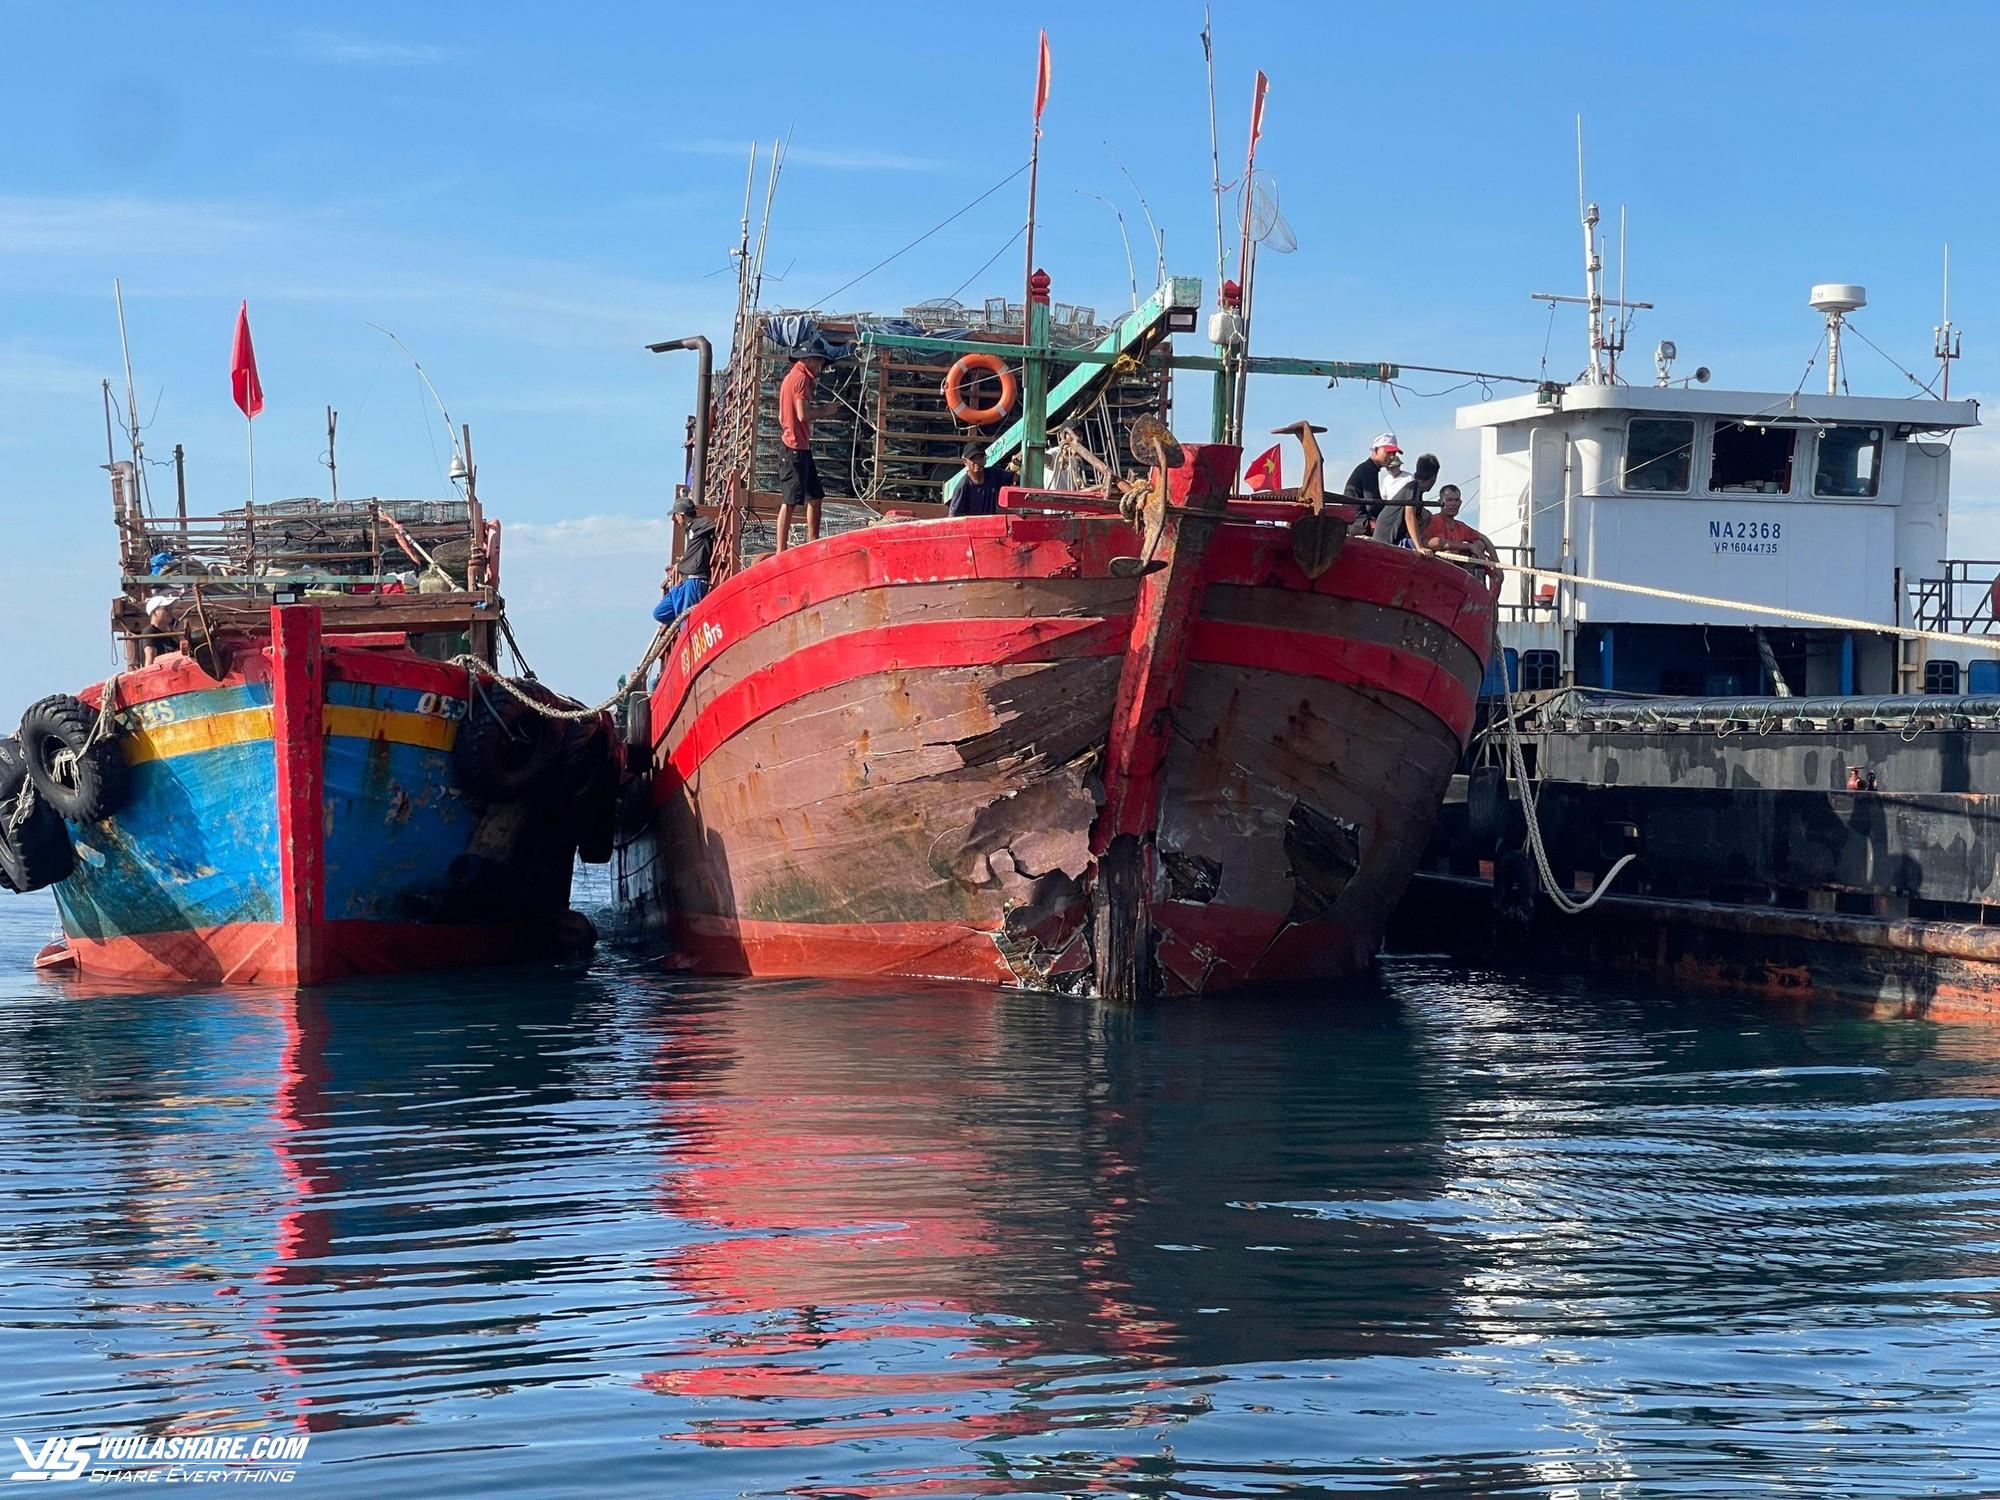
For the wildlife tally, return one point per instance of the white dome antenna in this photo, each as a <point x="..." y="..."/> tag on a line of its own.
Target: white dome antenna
<point x="1836" y="299"/>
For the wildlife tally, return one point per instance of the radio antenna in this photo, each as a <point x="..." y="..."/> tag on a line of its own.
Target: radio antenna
<point x="1159" y="239"/>
<point x="1945" y="338"/>
<point x="131" y="400"/>
<point x="458" y="465"/>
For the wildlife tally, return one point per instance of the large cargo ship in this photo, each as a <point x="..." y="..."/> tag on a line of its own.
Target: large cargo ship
<point x="1743" y="725"/>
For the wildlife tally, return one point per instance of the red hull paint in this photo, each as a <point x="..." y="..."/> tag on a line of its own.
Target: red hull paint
<point x="887" y="754"/>
<point x="266" y="953"/>
<point x="909" y="950"/>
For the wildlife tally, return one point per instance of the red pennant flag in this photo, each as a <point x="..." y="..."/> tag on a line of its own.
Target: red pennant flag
<point x="1257" y="110"/>
<point x="1042" y="80"/>
<point x="1266" y="471"/>
<point x="243" y="382"/>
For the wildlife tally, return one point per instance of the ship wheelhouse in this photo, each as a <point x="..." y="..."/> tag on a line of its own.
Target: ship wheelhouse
<point x="1831" y="505"/>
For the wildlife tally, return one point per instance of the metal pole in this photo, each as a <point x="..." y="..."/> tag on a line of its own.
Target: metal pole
<point x="332" y="467"/>
<point x="181" y="490"/>
<point x="703" y="391"/>
<point x="1035" y="384"/>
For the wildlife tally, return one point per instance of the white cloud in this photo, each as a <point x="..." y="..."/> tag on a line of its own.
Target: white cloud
<point x="351" y="51"/>
<point x="834" y="159"/>
<point x="224" y="249"/>
<point x="601" y="535"/>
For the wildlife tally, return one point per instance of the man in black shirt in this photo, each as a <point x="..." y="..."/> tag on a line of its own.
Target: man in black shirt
<point x="1364" y="485"/>
<point x="686" y="583"/>
<point x="979" y="491"/>
<point x="1405" y="520"/>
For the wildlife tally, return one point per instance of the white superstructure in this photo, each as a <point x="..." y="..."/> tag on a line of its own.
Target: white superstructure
<point x="1831" y="504"/>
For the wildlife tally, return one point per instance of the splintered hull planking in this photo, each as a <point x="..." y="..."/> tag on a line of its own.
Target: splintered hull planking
<point x="300" y="819"/>
<point x="886" y="753"/>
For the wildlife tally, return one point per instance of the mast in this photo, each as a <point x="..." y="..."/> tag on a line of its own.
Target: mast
<point x="1034" y="173"/>
<point x="1601" y="343"/>
<point x="1246" y="255"/>
<point x="1593" y="266"/>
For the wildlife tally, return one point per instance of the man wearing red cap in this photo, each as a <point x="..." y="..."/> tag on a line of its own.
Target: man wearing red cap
<point x="1364" y="485"/>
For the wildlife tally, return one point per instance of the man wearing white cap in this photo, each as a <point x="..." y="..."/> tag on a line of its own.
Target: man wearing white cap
<point x="1364" y="485"/>
<point x="160" y="638"/>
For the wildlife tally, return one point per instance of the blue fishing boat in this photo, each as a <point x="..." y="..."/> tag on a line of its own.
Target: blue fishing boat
<point x="308" y="766"/>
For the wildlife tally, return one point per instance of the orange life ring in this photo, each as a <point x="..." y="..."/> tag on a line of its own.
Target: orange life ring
<point x="954" y="395"/>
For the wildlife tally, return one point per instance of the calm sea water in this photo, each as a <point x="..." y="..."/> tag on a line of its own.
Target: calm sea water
<point x="613" y="1233"/>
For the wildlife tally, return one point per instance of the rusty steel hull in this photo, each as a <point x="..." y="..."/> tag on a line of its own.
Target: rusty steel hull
<point x="883" y="754"/>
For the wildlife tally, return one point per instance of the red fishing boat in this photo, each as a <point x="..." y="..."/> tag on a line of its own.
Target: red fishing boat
<point x="1174" y="742"/>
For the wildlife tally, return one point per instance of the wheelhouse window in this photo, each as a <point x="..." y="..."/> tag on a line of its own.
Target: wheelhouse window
<point x="1659" y="454"/>
<point x="1941" y="677"/>
<point x="1850" y="463"/>
<point x="1751" y="460"/>
<point x="1541" y="671"/>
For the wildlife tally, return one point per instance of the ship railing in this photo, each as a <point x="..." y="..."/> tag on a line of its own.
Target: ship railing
<point x="1962" y="601"/>
<point x="345" y="557"/>
<point x="353" y="544"/>
<point x="1523" y="596"/>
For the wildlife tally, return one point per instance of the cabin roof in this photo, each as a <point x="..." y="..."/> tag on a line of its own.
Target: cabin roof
<point x="1923" y="415"/>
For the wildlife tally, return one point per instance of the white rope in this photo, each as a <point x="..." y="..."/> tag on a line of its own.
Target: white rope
<point x="477" y="669"/>
<point x="1517" y="768"/>
<point x="1803" y="616"/>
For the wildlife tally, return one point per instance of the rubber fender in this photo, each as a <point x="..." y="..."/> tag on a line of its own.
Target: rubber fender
<point x="82" y="780"/>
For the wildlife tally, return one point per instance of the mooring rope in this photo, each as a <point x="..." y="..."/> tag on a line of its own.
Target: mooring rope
<point x="1778" y="612"/>
<point x="477" y="670"/>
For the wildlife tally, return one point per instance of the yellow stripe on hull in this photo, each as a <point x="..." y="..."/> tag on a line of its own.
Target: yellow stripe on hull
<point x="166" y="741"/>
<point x="426" y="731"/>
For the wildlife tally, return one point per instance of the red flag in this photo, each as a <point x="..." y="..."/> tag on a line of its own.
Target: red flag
<point x="1257" y="111"/>
<point x="1266" y="471"/>
<point x="243" y="382"/>
<point x="1042" y="80"/>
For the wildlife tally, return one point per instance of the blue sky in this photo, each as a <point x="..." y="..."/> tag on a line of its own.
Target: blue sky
<point x="526" y="196"/>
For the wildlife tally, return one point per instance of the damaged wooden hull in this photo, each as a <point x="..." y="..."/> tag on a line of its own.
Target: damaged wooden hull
<point x="885" y="754"/>
<point x="299" y="819"/>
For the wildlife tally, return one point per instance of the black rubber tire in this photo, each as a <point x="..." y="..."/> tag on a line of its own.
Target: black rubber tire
<point x="82" y="785"/>
<point x="596" y="817"/>
<point x="590" y="768"/>
<point x="13" y="768"/>
<point x="1516" y="890"/>
<point x="506" y="751"/>
<point x="38" y="852"/>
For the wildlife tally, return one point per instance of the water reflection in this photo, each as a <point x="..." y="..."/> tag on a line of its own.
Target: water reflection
<point x="1455" y="1233"/>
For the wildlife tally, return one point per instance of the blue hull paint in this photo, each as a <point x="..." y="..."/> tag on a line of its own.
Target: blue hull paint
<point x="195" y="848"/>
<point x="196" y="845"/>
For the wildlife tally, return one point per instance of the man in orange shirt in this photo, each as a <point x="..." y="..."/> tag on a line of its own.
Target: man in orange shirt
<point x="798" y="477"/>
<point x="1447" y="533"/>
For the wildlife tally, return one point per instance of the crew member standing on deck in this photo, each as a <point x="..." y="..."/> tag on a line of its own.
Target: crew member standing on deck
<point x="798" y="479"/>
<point x="979" y="491"/>
<point x="1364" y="485"/>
